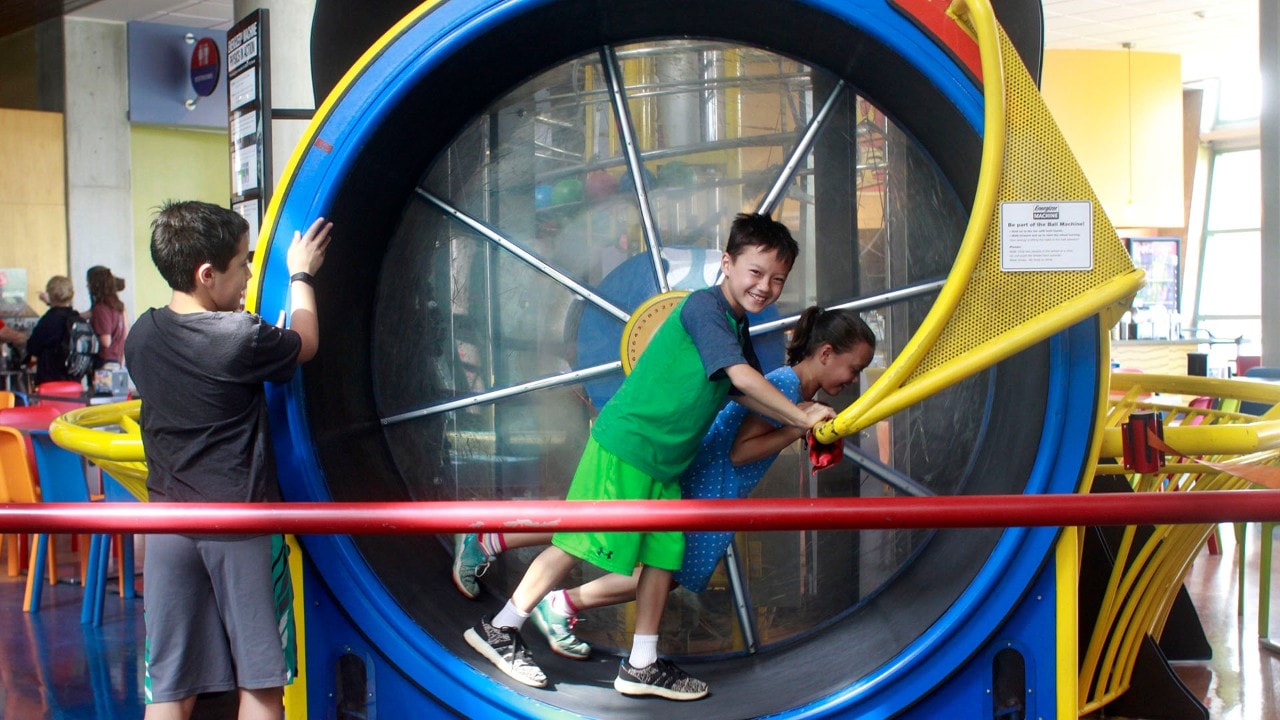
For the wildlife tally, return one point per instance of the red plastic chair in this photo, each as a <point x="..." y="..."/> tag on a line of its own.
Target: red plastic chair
<point x="27" y="418"/>
<point x="70" y="389"/>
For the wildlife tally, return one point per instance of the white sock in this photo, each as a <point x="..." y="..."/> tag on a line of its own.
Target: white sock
<point x="644" y="650"/>
<point x="509" y="617"/>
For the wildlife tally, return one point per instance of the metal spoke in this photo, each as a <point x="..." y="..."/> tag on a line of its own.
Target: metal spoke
<point x="885" y="473"/>
<point x="771" y="199"/>
<point x="562" y="379"/>
<point x="622" y="113"/>
<point x="907" y="292"/>
<point x="519" y="251"/>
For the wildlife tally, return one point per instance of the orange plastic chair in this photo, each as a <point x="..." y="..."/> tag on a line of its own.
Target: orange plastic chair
<point x="27" y="418"/>
<point x="20" y="487"/>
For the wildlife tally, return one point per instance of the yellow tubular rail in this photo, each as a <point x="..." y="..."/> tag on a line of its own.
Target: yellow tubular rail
<point x="108" y="435"/>
<point x="984" y="314"/>
<point x="851" y="420"/>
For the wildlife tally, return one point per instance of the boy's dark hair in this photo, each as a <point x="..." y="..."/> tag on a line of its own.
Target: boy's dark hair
<point x="189" y="233"/>
<point x="842" y="329"/>
<point x="755" y="229"/>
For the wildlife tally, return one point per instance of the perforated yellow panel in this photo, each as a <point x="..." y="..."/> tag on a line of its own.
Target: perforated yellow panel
<point x="986" y="313"/>
<point x="1038" y="166"/>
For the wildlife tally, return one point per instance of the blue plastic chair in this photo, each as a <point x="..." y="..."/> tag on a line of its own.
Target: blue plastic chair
<point x="114" y="491"/>
<point x="63" y="480"/>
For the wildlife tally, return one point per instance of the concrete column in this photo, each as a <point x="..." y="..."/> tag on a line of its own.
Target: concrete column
<point x="290" y="57"/>
<point x="99" y="214"/>
<point x="1269" y="60"/>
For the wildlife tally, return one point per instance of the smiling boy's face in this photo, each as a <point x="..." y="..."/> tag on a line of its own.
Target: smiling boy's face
<point x="753" y="279"/>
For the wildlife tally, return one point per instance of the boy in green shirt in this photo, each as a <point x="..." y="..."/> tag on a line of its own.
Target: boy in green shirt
<point x="642" y="441"/>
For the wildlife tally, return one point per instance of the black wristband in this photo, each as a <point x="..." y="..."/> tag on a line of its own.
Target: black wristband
<point x="303" y="277"/>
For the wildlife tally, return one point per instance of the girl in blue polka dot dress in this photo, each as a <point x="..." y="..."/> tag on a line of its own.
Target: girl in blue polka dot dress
<point x="827" y="351"/>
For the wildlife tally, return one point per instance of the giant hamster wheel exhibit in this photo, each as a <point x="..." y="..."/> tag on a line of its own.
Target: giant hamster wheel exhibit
<point x="509" y="180"/>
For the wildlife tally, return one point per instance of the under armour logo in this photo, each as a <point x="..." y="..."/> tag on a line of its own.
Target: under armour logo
<point x="606" y="554"/>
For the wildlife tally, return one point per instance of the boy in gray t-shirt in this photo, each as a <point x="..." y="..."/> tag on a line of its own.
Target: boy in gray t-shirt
<point x="199" y="364"/>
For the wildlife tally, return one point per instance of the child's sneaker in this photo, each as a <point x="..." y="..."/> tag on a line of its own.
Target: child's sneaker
<point x="469" y="562"/>
<point x="505" y="648"/>
<point x="557" y="628"/>
<point x="662" y="678"/>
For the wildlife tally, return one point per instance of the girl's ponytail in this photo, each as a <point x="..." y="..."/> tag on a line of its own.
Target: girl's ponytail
<point x="798" y="346"/>
<point x="841" y="329"/>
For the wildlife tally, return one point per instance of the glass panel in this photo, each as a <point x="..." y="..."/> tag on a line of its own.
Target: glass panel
<point x="1236" y="191"/>
<point x="1240" y="98"/>
<point x="716" y="124"/>
<point x="1229" y="281"/>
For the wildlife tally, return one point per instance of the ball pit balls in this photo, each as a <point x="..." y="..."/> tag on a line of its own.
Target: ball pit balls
<point x="625" y="184"/>
<point x="601" y="184"/>
<point x="542" y="195"/>
<point x="568" y="190"/>
<point x="676" y="174"/>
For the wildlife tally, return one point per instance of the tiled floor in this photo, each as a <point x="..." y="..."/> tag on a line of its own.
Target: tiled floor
<point x="52" y="667"/>
<point x="1242" y="681"/>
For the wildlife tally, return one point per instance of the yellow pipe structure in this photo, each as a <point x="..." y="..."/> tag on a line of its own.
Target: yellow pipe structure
<point x="1149" y="564"/>
<point x="110" y="436"/>
<point x="1238" y="439"/>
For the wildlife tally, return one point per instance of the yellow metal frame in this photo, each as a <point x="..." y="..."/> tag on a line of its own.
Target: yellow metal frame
<point x="1148" y="573"/>
<point x="110" y="436"/>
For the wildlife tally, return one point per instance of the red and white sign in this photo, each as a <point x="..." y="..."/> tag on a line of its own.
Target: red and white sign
<point x="206" y="66"/>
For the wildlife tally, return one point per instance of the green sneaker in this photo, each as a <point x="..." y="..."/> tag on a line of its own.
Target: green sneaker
<point x="557" y="628"/>
<point x="469" y="562"/>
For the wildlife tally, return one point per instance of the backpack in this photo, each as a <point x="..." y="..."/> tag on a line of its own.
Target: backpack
<point x="79" y="345"/>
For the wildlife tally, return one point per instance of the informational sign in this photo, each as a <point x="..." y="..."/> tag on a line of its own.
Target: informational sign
<point x="1046" y="235"/>
<point x="248" y="122"/>
<point x="206" y="67"/>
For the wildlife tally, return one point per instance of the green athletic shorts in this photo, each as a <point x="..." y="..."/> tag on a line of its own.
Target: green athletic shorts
<point x="601" y="475"/>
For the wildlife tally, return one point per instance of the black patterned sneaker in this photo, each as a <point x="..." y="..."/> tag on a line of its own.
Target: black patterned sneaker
<point x="505" y="649"/>
<point x="662" y="678"/>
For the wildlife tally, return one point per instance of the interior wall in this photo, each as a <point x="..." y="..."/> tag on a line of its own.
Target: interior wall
<point x="1121" y="113"/>
<point x="33" y="205"/>
<point x="170" y="164"/>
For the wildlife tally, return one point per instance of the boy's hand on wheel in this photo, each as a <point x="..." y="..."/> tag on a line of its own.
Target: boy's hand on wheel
<point x="306" y="252"/>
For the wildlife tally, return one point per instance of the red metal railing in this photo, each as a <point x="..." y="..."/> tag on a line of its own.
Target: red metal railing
<point x="384" y="518"/>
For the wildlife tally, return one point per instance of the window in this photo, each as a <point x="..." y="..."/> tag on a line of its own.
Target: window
<point x="1229" y="300"/>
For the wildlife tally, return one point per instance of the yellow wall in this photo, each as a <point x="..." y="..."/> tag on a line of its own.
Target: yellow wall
<point x="1091" y="94"/>
<point x="171" y="164"/>
<point x="33" y="201"/>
